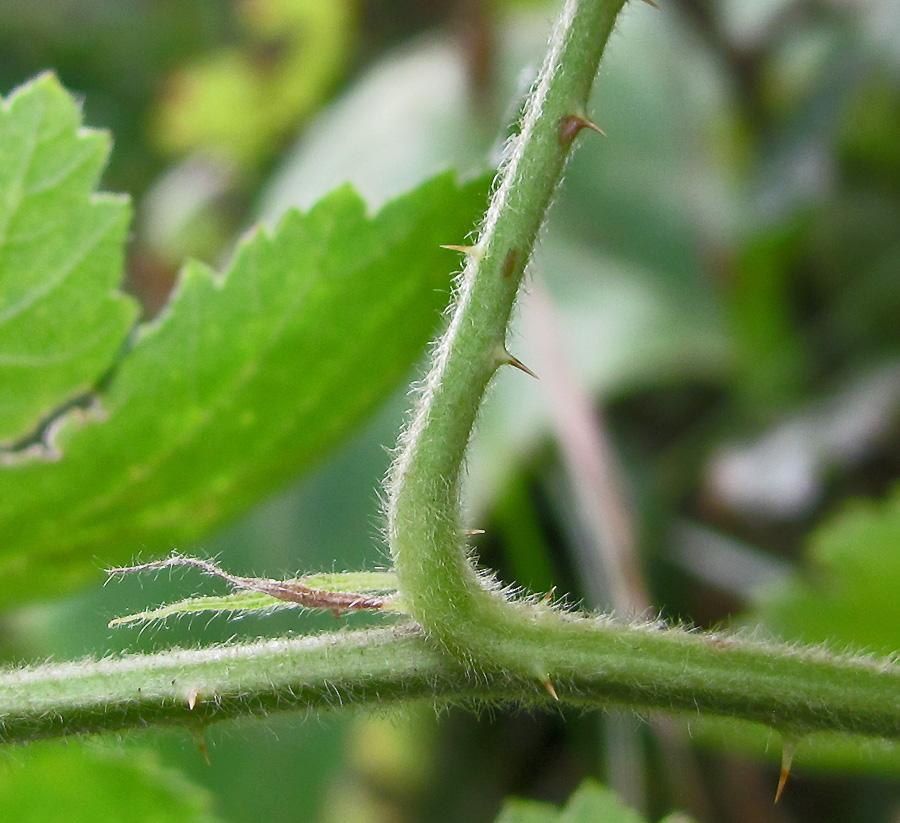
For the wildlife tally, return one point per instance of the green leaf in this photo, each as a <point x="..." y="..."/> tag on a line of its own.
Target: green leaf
<point x="244" y="380"/>
<point x="847" y="595"/>
<point x="61" y="319"/>
<point x="590" y="803"/>
<point x="82" y="783"/>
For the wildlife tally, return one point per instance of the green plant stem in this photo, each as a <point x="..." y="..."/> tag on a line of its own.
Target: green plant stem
<point x="501" y="649"/>
<point x="796" y="691"/>
<point x="460" y="609"/>
<point x="440" y="587"/>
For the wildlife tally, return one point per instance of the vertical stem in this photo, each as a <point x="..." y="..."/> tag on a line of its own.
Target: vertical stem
<point x="440" y="586"/>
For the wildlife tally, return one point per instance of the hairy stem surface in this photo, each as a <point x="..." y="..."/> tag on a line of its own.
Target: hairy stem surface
<point x="459" y="608"/>
<point x="797" y="691"/>
<point x="440" y="587"/>
<point x="500" y="649"/>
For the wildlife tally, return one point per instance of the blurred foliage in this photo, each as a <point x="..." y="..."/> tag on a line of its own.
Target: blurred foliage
<point x="83" y="783"/>
<point x="589" y="803"/>
<point x="724" y="271"/>
<point x="295" y="51"/>
<point x="847" y="595"/>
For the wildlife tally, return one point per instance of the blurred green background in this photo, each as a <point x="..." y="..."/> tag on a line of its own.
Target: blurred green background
<point x="713" y="313"/>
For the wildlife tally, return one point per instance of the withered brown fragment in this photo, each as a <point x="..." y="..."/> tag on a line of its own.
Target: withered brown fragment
<point x="292" y="591"/>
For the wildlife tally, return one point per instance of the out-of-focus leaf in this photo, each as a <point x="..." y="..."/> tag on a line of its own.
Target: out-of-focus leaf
<point x="241" y="383"/>
<point x="847" y="595"/>
<point x="426" y="119"/>
<point x="61" y="319"/>
<point x="590" y="803"/>
<point x="528" y="811"/>
<point x="81" y="783"/>
<point x="238" y="103"/>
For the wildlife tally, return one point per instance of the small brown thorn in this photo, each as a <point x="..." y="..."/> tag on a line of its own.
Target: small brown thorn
<point x="548" y="597"/>
<point x="572" y="124"/>
<point x="473" y="532"/>
<point x="548" y="685"/>
<point x="651" y="3"/>
<point x="789" y="747"/>
<point x="514" y="361"/>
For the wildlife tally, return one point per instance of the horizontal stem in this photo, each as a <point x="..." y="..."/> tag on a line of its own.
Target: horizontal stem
<point x="598" y="663"/>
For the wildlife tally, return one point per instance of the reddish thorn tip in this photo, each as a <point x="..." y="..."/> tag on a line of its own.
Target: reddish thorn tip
<point x="782" y="782"/>
<point x="651" y="3"/>
<point x="514" y="361"/>
<point x="548" y="685"/>
<point x="472" y="532"/>
<point x="787" y="757"/>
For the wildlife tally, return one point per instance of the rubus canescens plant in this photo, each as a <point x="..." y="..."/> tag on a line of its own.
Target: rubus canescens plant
<point x="467" y="639"/>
